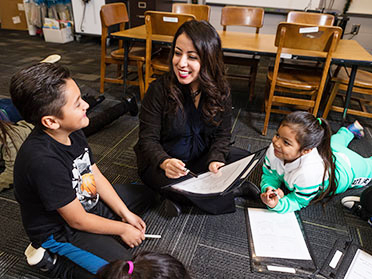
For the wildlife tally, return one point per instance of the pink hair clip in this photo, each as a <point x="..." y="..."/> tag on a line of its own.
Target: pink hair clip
<point x="131" y="267"/>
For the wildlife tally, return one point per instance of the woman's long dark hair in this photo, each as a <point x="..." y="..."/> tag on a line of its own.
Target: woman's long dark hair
<point x="314" y="132"/>
<point x="213" y="83"/>
<point x="147" y="265"/>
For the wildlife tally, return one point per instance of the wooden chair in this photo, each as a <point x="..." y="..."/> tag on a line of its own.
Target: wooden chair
<point x="201" y="12"/>
<point x="249" y="17"/>
<point x="363" y="98"/>
<point x="301" y="89"/>
<point x="113" y="14"/>
<point x="164" y="24"/>
<point x="310" y="18"/>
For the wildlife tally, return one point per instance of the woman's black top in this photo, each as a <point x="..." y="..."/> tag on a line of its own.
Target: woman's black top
<point x="182" y="135"/>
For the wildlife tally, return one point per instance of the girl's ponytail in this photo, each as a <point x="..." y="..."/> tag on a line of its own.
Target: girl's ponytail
<point x="311" y="133"/>
<point x="325" y="152"/>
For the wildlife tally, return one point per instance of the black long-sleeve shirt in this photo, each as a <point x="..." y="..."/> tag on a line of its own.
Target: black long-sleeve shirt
<point x="184" y="136"/>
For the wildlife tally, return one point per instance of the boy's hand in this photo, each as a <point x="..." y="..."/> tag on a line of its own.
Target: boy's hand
<point x="135" y="221"/>
<point x="271" y="196"/>
<point x="132" y="236"/>
<point x="214" y="166"/>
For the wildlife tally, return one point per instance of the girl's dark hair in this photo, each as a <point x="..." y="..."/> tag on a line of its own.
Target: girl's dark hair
<point x="213" y="83"/>
<point x="314" y="132"/>
<point x="147" y="265"/>
<point x="37" y="91"/>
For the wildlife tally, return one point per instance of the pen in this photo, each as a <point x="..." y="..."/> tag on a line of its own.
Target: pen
<point x="152" y="235"/>
<point x="273" y="193"/>
<point x="190" y="172"/>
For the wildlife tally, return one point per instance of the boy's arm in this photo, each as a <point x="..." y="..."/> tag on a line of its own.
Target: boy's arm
<point x="76" y="217"/>
<point x="111" y="198"/>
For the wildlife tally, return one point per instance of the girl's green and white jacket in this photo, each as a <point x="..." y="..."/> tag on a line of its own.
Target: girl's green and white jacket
<point x="304" y="176"/>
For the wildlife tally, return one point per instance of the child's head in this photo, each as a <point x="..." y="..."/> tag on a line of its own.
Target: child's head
<point x="42" y="94"/>
<point x="147" y="265"/>
<point x="298" y="133"/>
<point x="306" y="132"/>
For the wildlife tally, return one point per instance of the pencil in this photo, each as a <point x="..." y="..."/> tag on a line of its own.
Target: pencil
<point x="152" y="235"/>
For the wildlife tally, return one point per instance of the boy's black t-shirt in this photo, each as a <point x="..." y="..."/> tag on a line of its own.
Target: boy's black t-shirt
<point x="49" y="175"/>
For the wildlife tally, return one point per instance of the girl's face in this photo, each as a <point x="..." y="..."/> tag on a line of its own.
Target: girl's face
<point x="186" y="62"/>
<point x="286" y="147"/>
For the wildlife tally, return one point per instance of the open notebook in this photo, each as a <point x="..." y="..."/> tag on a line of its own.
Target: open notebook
<point x="228" y="177"/>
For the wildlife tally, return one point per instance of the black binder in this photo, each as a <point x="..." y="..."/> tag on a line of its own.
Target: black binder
<point x="281" y="266"/>
<point x="339" y="259"/>
<point x="240" y="179"/>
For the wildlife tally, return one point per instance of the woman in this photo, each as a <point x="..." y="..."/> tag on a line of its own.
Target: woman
<point x="185" y="118"/>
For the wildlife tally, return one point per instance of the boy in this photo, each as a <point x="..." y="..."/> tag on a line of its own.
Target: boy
<point x="68" y="207"/>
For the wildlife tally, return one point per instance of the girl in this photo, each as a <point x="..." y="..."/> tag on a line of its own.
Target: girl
<point x="185" y="118"/>
<point x="147" y="265"/>
<point x="311" y="163"/>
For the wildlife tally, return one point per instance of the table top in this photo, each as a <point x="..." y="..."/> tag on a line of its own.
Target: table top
<point x="347" y="51"/>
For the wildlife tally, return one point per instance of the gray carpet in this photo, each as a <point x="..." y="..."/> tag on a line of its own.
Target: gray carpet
<point x="210" y="246"/>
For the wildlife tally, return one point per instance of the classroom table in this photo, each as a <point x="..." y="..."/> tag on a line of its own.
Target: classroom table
<point x="348" y="52"/>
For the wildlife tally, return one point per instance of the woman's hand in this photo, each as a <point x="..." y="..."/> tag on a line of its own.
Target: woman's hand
<point x="132" y="236"/>
<point x="135" y="221"/>
<point x="271" y="196"/>
<point x="173" y="168"/>
<point x="214" y="166"/>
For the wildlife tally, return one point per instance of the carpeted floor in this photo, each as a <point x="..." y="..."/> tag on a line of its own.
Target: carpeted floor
<point x="210" y="246"/>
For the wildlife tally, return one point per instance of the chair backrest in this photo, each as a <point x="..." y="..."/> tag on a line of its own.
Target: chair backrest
<point x="115" y="13"/>
<point x="201" y="12"/>
<point x="293" y="37"/>
<point x="307" y="37"/>
<point x="244" y="16"/>
<point x="164" y="23"/>
<point x="310" y="18"/>
<point x="112" y="14"/>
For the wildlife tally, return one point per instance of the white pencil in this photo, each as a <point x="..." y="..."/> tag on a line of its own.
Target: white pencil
<point x="152" y="235"/>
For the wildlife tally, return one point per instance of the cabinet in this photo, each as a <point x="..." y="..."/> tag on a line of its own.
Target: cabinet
<point x="137" y="9"/>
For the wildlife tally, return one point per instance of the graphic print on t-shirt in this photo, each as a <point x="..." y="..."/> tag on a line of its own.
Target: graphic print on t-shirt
<point x="83" y="181"/>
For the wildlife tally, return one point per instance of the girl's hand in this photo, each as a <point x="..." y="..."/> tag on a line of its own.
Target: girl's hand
<point x="135" y="221"/>
<point x="271" y="196"/>
<point x="173" y="168"/>
<point x="132" y="236"/>
<point x="214" y="166"/>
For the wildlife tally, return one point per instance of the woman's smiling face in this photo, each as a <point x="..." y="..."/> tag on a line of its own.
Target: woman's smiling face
<point x="186" y="62"/>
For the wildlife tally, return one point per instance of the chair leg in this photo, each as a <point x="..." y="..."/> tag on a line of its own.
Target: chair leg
<point x="330" y="100"/>
<point x="140" y="79"/>
<point x="102" y="79"/>
<point x="268" y="109"/>
<point x="266" y="95"/>
<point x="252" y="81"/>
<point x="119" y="70"/>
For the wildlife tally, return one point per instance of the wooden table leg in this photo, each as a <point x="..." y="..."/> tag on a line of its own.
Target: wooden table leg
<point x="354" y="69"/>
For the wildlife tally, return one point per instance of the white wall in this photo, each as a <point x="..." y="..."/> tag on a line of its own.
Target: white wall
<point x="271" y="21"/>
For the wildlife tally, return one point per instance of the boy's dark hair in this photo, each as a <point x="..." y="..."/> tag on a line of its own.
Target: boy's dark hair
<point x="147" y="265"/>
<point x="37" y="91"/>
<point x="311" y="133"/>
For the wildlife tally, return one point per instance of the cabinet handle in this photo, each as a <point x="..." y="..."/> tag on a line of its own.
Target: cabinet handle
<point x="140" y="16"/>
<point x="142" y="5"/>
